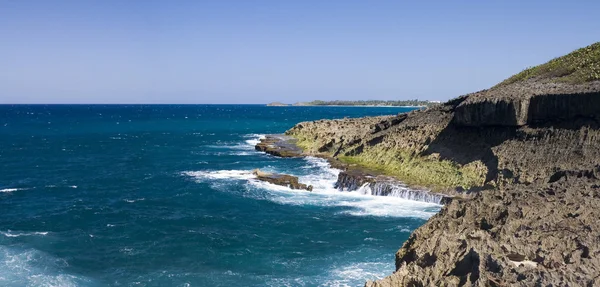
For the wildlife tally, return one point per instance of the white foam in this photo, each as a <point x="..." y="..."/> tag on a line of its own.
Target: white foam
<point x="134" y="200"/>
<point x="243" y="153"/>
<point x="220" y="174"/>
<point x="348" y="275"/>
<point x="360" y="204"/>
<point x="9" y="233"/>
<point x="250" y="143"/>
<point x="401" y="228"/>
<point x="253" y="142"/>
<point x="30" y="267"/>
<point x="247" y="145"/>
<point x="389" y="206"/>
<point x="7" y="190"/>
<point x="322" y="177"/>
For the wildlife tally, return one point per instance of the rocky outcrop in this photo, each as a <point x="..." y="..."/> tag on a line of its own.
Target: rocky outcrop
<point x="543" y="235"/>
<point x="282" y="180"/>
<point x="279" y="145"/>
<point x="529" y="103"/>
<point x="369" y="183"/>
<point x="525" y="153"/>
<point x="352" y="180"/>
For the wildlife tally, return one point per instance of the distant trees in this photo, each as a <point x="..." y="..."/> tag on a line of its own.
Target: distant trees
<point x="415" y="102"/>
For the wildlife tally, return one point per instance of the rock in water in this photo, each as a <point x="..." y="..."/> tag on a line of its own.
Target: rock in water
<point x="282" y="180"/>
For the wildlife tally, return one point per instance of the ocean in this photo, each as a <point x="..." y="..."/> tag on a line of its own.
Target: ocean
<point x="160" y="195"/>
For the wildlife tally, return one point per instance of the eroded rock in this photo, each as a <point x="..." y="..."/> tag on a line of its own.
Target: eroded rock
<point x="282" y="180"/>
<point x="545" y="235"/>
<point x="279" y="145"/>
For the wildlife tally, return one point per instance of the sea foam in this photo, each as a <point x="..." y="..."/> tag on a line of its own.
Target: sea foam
<point x="19" y="234"/>
<point x="30" y="267"/>
<point x="7" y="190"/>
<point x="322" y="177"/>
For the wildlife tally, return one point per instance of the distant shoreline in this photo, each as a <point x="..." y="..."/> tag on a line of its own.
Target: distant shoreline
<point x="369" y="103"/>
<point x="354" y="106"/>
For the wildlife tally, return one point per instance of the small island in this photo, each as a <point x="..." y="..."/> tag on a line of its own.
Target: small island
<point x="277" y="104"/>
<point x="368" y="103"/>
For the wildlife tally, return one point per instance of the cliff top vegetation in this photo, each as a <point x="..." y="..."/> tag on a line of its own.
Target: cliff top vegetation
<point x="578" y="67"/>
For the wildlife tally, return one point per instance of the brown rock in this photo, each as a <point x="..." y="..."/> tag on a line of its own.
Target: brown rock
<point x="279" y="145"/>
<point x="282" y="180"/>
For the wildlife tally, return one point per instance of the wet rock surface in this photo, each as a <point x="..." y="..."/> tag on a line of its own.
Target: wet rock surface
<point x="282" y="180"/>
<point x="379" y="185"/>
<point x="351" y="180"/>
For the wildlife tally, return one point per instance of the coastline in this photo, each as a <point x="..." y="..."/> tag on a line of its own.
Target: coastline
<point x="353" y="177"/>
<point x="347" y="106"/>
<point x="526" y="218"/>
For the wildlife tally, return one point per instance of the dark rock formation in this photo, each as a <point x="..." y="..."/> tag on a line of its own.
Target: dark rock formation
<point x="353" y="180"/>
<point x="542" y="235"/>
<point x="279" y="145"/>
<point x="378" y="185"/>
<point x="282" y="179"/>
<point x="528" y="103"/>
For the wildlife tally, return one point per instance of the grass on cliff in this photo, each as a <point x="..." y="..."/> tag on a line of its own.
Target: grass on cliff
<point x="580" y="66"/>
<point x="412" y="169"/>
<point x="418" y="170"/>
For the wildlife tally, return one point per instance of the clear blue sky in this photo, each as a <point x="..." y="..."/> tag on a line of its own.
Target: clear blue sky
<point x="262" y="51"/>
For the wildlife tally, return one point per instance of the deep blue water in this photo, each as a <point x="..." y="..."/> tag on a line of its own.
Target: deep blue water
<point x="161" y="196"/>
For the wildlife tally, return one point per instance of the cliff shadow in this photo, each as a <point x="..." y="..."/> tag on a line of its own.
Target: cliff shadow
<point x="565" y="111"/>
<point x="465" y="145"/>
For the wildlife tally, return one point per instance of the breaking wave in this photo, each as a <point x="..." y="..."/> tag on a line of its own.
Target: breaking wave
<point x="322" y="177"/>
<point x="30" y="267"/>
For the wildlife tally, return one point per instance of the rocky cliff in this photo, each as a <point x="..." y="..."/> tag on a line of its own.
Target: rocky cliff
<point x="526" y="150"/>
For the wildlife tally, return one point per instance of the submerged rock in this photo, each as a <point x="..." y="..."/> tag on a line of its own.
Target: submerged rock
<point x="282" y="180"/>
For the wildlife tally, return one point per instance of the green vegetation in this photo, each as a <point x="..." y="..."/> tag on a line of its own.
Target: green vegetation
<point x="413" y="103"/>
<point x="418" y="170"/>
<point x="578" y="67"/>
<point x="428" y="171"/>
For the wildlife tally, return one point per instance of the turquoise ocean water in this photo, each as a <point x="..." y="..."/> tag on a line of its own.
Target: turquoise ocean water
<point x="117" y="195"/>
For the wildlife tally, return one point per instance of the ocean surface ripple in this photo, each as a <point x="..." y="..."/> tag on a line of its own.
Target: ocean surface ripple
<point x="162" y="195"/>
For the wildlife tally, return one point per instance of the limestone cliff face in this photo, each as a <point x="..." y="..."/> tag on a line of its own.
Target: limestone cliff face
<point x="527" y="151"/>
<point x="528" y="103"/>
<point x="520" y="236"/>
<point x="447" y="150"/>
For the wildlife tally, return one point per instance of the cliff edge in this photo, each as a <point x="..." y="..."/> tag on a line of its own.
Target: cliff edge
<point x="527" y="150"/>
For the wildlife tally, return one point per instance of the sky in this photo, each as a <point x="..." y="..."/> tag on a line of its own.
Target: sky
<point x="240" y="51"/>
